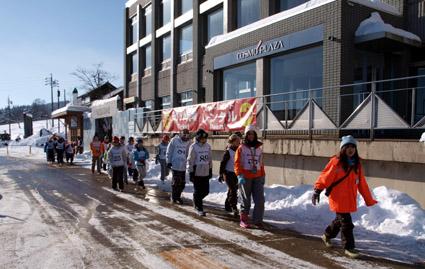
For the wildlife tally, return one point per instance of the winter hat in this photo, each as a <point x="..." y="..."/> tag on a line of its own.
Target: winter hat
<point x="165" y="138"/>
<point x="201" y="134"/>
<point x="139" y="139"/>
<point x="348" y="139"/>
<point x="251" y="128"/>
<point x="115" y="140"/>
<point x="232" y="138"/>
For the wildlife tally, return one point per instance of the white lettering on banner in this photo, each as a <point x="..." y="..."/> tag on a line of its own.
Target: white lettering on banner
<point x="260" y="49"/>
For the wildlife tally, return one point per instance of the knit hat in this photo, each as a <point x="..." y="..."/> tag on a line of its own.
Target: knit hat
<point x="165" y="138"/>
<point x="115" y="139"/>
<point x="201" y="134"/>
<point x="348" y="139"/>
<point x="251" y="128"/>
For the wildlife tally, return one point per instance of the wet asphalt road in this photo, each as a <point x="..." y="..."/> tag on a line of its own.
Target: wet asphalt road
<point x="68" y="218"/>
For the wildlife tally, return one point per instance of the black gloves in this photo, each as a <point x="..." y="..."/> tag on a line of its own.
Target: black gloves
<point x="220" y="179"/>
<point x="191" y="176"/>
<point x="315" y="199"/>
<point x="169" y="165"/>
<point x="210" y="173"/>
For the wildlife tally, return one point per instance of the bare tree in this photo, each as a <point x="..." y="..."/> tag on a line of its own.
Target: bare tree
<point x="93" y="78"/>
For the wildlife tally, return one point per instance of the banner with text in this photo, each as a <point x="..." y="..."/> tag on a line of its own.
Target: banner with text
<point x="233" y="115"/>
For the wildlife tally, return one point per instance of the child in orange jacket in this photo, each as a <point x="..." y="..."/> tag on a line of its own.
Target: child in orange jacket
<point x="346" y="169"/>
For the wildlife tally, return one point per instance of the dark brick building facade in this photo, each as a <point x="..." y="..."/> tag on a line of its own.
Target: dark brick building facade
<point x="170" y="61"/>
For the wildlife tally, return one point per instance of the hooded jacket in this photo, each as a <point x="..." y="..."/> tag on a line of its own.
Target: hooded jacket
<point x="343" y="198"/>
<point x="199" y="159"/>
<point x="140" y="155"/>
<point x="177" y="152"/>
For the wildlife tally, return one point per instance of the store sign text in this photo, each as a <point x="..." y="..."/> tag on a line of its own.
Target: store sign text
<point x="260" y="49"/>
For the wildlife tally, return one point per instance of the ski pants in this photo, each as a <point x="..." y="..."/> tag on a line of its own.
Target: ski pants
<point x="50" y="155"/>
<point x="141" y="171"/>
<point x="343" y="223"/>
<point x="69" y="157"/>
<point x="59" y="153"/>
<point x="177" y="184"/>
<point x="117" y="177"/>
<point x="232" y="191"/>
<point x="201" y="188"/>
<point x="255" y="188"/>
<point x="96" y="161"/>
<point x="164" y="169"/>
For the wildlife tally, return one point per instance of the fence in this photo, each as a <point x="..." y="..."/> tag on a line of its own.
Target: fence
<point x="392" y="108"/>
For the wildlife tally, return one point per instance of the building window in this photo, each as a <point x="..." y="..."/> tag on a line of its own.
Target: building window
<point x="248" y="11"/>
<point x="166" y="11"/>
<point x="148" y="57"/>
<point x="134" y="62"/>
<point x="149" y="104"/>
<point x="134" y="29"/>
<point x="166" y="48"/>
<point x="166" y="102"/>
<point x="214" y="24"/>
<point x="420" y="94"/>
<point x="185" y="6"/>
<point x="186" y="98"/>
<point x="294" y="74"/>
<point x="239" y="82"/>
<point x="283" y="5"/>
<point x="186" y="41"/>
<point x="148" y="20"/>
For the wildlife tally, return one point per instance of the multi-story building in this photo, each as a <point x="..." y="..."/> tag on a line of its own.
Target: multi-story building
<point x="181" y="52"/>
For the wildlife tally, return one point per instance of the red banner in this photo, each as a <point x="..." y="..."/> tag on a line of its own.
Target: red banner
<point x="223" y="116"/>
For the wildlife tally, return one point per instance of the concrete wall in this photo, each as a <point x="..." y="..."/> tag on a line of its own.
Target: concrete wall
<point x="398" y="165"/>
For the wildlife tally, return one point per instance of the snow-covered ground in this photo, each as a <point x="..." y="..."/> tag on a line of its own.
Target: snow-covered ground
<point x="17" y="129"/>
<point x="394" y="228"/>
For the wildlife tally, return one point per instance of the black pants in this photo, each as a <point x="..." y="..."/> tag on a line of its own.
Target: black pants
<point x="59" y="153"/>
<point x="177" y="184"/>
<point x="232" y="191"/>
<point x="118" y="177"/>
<point x="201" y="186"/>
<point x="69" y="157"/>
<point x="50" y="155"/>
<point x="344" y="223"/>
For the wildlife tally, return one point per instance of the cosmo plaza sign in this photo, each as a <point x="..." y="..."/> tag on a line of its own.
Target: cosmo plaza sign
<point x="269" y="47"/>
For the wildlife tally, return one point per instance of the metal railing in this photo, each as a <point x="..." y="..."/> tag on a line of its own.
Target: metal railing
<point x="369" y="108"/>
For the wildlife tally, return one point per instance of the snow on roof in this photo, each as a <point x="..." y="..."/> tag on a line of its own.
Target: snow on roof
<point x="375" y="24"/>
<point x="69" y="108"/>
<point x="101" y="102"/>
<point x="376" y="4"/>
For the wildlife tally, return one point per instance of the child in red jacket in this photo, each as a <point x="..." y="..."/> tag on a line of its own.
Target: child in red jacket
<point x="346" y="169"/>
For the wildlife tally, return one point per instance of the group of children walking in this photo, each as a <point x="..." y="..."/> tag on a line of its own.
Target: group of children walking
<point x="242" y="169"/>
<point x="56" y="148"/>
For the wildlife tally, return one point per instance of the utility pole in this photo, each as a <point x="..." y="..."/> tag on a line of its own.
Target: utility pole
<point x="9" y="102"/>
<point x="53" y="83"/>
<point x="64" y="97"/>
<point x="59" y="95"/>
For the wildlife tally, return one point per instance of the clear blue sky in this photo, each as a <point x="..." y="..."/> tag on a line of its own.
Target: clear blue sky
<point x="39" y="37"/>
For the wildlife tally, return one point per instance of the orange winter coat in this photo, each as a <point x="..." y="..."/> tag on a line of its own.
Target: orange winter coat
<point x="343" y="198"/>
<point x="246" y="158"/>
<point x="97" y="148"/>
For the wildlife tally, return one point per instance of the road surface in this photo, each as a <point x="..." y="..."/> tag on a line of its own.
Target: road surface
<point x="53" y="217"/>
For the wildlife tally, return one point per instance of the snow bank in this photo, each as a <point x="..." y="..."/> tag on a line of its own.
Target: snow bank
<point x="422" y="138"/>
<point x="375" y="24"/>
<point x="378" y="5"/>
<point x="395" y="227"/>
<point x="17" y="129"/>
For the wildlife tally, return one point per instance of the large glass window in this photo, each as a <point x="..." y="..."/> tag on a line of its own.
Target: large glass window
<point x="186" y="39"/>
<point x="288" y="4"/>
<point x="134" y="62"/>
<point x="148" y="20"/>
<point x="292" y="75"/>
<point x="166" y="11"/>
<point x="148" y="57"/>
<point x="186" y="98"/>
<point x="134" y="29"/>
<point x="166" y="48"/>
<point x="215" y="24"/>
<point x="185" y="6"/>
<point x="420" y="95"/>
<point x="239" y="82"/>
<point x="248" y="11"/>
<point x="166" y="102"/>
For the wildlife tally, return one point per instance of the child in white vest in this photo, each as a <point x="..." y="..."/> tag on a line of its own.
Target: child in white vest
<point x="117" y="157"/>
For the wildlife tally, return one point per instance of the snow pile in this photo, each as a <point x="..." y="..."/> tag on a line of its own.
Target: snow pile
<point x="17" y="129"/>
<point x="375" y="24"/>
<point x="422" y="138"/>
<point x="396" y="223"/>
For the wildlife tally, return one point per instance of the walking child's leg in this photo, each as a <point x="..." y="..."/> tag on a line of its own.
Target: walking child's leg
<point x="258" y="197"/>
<point x="347" y="236"/>
<point x="333" y="229"/>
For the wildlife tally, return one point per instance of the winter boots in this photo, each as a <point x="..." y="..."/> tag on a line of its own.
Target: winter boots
<point x="352" y="253"/>
<point x="327" y="241"/>
<point x="244" y="219"/>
